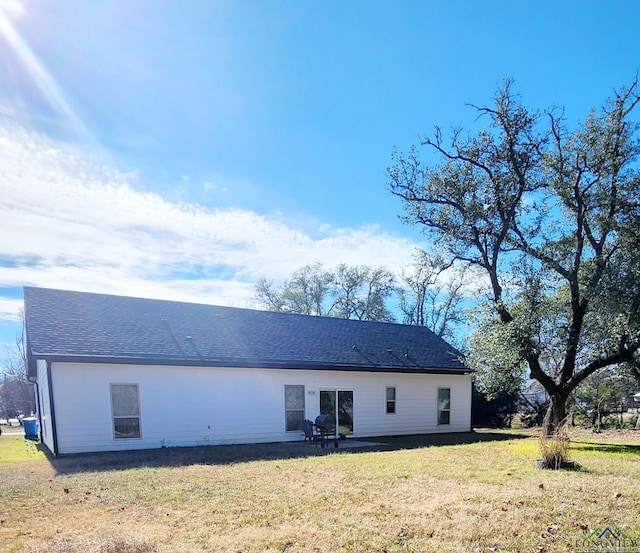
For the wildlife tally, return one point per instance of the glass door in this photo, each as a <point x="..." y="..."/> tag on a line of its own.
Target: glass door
<point x="340" y="403"/>
<point x="345" y="412"/>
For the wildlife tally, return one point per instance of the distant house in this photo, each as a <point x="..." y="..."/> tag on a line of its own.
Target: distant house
<point x="117" y="373"/>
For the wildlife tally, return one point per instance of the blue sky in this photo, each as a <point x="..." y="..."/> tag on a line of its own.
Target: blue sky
<point x="183" y="150"/>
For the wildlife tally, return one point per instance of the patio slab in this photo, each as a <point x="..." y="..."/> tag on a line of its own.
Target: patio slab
<point x="352" y="444"/>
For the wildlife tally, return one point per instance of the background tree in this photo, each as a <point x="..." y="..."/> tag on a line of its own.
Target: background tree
<point x="545" y="213"/>
<point x="604" y="393"/>
<point x="348" y="292"/>
<point x="16" y="392"/>
<point x="362" y="292"/>
<point x="309" y="291"/>
<point x="430" y="293"/>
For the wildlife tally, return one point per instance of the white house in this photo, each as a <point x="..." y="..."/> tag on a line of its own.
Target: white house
<point x="116" y="373"/>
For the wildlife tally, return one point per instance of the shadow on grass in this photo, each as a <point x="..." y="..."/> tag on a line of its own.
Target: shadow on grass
<point x="45" y="450"/>
<point x="434" y="440"/>
<point x="231" y="454"/>
<point x="607" y="448"/>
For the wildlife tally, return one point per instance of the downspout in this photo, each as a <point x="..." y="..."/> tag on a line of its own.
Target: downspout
<point x="32" y="376"/>
<point x="54" y="433"/>
<point x="36" y="389"/>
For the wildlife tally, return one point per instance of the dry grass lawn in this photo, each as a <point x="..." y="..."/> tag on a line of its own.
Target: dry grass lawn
<point x="477" y="493"/>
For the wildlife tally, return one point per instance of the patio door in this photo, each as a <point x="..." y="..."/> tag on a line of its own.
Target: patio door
<point x="339" y="405"/>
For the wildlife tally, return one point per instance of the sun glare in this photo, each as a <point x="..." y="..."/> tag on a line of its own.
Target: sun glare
<point x="13" y="10"/>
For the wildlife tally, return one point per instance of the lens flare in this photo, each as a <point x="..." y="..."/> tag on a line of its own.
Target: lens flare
<point x="42" y="79"/>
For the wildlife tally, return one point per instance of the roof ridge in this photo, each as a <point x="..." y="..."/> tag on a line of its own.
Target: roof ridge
<point x="230" y="307"/>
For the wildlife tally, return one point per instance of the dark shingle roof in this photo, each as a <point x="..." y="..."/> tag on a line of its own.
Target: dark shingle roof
<point x="75" y="326"/>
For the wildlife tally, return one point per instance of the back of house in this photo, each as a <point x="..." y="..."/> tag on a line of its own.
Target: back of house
<point x="117" y="373"/>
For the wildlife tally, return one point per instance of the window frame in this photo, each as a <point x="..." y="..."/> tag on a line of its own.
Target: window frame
<point x="443" y="411"/>
<point x="391" y="402"/>
<point x="287" y="410"/>
<point x="114" y="417"/>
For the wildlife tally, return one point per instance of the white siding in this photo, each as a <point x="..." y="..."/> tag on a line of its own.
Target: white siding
<point x="44" y="414"/>
<point x="187" y="406"/>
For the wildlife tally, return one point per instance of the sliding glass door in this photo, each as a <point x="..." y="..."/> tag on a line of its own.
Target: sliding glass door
<point x="338" y="404"/>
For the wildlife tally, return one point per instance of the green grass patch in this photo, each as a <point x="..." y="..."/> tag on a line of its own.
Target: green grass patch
<point x="15" y="449"/>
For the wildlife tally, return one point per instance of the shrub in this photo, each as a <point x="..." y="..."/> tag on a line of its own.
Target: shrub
<point x="554" y="450"/>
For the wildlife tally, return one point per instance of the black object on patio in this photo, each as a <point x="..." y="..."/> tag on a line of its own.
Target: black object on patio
<point x="326" y="425"/>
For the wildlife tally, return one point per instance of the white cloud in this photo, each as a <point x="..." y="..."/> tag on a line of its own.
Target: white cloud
<point x="68" y="222"/>
<point x="10" y="309"/>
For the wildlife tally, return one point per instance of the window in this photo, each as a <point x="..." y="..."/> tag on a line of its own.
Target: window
<point x="125" y="407"/>
<point x="444" y="405"/>
<point x="391" y="400"/>
<point x="294" y="407"/>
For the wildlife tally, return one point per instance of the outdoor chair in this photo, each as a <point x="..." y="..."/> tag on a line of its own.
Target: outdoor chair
<point x="311" y="433"/>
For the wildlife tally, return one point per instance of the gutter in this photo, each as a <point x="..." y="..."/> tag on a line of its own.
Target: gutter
<point x="250" y="363"/>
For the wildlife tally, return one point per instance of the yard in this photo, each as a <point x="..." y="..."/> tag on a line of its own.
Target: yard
<point x="476" y="492"/>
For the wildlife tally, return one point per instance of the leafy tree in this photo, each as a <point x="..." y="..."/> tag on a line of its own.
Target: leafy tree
<point x="551" y="216"/>
<point x="498" y="371"/>
<point x="349" y="292"/>
<point x="605" y="392"/>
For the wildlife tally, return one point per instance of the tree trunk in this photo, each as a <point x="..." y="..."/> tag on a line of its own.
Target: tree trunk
<point x="596" y="419"/>
<point x="638" y="422"/>
<point x="556" y="414"/>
